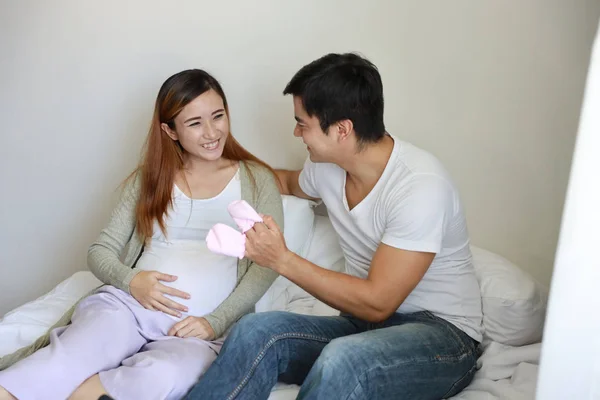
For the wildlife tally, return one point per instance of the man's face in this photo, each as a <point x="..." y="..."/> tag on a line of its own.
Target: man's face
<point x="319" y="145"/>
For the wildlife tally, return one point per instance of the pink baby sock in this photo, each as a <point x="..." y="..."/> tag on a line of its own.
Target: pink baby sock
<point x="243" y="214"/>
<point x="223" y="239"/>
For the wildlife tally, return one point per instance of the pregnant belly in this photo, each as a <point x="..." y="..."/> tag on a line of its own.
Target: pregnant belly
<point x="208" y="277"/>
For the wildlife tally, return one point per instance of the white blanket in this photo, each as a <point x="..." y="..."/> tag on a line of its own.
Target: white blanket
<point x="505" y="372"/>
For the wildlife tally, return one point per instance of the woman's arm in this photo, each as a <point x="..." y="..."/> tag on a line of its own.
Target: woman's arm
<point x="257" y="279"/>
<point x="104" y="254"/>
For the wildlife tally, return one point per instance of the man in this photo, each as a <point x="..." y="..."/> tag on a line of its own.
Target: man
<point x="410" y="320"/>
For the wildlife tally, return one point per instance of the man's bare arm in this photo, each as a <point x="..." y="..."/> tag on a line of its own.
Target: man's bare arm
<point x="289" y="183"/>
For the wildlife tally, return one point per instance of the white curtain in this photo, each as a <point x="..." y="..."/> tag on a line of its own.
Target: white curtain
<point x="570" y="360"/>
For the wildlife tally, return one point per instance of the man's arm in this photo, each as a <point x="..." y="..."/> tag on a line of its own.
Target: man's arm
<point x="393" y="275"/>
<point x="289" y="183"/>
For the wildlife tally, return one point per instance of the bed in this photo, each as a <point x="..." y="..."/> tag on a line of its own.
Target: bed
<point x="513" y="305"/>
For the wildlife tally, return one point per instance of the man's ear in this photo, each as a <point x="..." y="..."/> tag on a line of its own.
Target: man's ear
<point x="172" y="134"/>
<point x="344" y="129"/>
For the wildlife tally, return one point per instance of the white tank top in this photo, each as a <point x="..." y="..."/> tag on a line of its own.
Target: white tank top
<point x="208" y="277"/>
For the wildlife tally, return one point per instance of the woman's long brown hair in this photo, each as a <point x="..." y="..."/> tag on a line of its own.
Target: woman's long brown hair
<point x="163" y="157"/>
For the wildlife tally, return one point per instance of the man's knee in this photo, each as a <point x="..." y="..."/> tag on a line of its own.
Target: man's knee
<point x="246" y="328"/>
<point x="340" y="353"/>
<point x="351" y="354"/>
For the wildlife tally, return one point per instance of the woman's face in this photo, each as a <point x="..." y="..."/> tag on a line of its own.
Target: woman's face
<point x="202" y="127"/>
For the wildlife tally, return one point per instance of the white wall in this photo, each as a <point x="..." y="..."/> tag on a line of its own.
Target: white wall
<point x="492" y="88"/>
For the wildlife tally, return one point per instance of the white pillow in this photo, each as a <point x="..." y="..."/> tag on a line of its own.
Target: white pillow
<point x="323" y="250"/>
<point x="23" y="325"/>
<point x="298" y="217"/>
<point x="514" y="304"/>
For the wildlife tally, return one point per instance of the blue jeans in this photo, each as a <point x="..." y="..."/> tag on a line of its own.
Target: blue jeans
<point x="408" y="356"/>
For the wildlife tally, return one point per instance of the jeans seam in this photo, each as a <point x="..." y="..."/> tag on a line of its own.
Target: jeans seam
<point x="415" y="360"/>
<point x="261" y="355"/>
<point x="459" y="380"/>
<point x="461" y="340"/>
<point x="395" y="365"/>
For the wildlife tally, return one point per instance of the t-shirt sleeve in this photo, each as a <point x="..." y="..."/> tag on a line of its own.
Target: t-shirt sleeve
<point x="307" y="180"/>
<point x="417" y="215"/>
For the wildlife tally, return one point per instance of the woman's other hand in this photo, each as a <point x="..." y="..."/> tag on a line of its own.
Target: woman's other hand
<point x="197" y="327"/>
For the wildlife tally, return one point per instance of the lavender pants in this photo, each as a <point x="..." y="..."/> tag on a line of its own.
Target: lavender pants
<point x="113" y="335"/>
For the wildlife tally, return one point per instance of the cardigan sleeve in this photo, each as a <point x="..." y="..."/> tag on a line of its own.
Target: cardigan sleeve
<point x="257" y="280"/>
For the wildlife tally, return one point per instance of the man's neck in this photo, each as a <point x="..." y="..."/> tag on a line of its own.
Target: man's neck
<point x="364" y="168"/>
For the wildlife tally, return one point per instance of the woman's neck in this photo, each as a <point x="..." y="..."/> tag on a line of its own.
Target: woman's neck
<point x="194" y="166"/>
<point x="201" y="179"/>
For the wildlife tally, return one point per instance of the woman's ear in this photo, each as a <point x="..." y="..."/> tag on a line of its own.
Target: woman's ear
<point x="172" y="134"/>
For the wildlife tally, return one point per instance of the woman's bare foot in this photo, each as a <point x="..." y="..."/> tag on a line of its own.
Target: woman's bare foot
<point x="91" y="389"/>
<point x="5" y="395"/>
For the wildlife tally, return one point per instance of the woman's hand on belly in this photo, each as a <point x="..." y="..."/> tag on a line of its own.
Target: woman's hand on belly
<point x="197" y="327"/>
<point x="147" y="289"/>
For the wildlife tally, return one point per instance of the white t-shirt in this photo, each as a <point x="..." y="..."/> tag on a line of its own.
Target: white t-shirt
<point x="414" y="206"/>
<point x="208" y="277"/>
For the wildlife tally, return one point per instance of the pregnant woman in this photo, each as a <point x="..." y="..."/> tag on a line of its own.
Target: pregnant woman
<point x="137" y="337"/>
